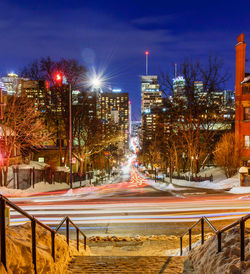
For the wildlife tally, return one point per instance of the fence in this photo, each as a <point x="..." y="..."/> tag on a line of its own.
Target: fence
<point x="34" y="223"/>
<point x="26" y="178"/>
<point x="183" y="177"/>
<point x="202" y="220"/>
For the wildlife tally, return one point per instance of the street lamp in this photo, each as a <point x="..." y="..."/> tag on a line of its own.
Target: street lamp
<point x="59" y="79"/>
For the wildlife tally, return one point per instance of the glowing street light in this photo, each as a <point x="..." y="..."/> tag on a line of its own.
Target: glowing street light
<point x="96" y="82"/>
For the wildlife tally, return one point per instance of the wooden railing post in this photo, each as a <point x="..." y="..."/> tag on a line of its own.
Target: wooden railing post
<point x="53" y="245"/>
<point x="180" y="246"/>
<point x="67" y="230"/>
<point x="202" y="231"/>
<point x="33" y="235"/>
<point x="77" y="239"/>
<point x="3" y="232"/>
<point x="242" y="240"/>
<point x="190" y="239"/>
<point x="219" y="241"/>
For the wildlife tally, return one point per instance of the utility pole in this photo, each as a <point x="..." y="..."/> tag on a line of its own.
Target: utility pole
<point x="70" y="137"/>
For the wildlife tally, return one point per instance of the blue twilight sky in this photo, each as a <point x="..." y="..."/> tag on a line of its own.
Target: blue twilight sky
<point x="113" y="35"/>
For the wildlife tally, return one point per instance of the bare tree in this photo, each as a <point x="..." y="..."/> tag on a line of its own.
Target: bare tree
<point x="194" y="115"/>
<point x="21" y="129"/>
<point x="226" y="154"/>
<point x="57" y="97"/>
<point x="90" y="135"/>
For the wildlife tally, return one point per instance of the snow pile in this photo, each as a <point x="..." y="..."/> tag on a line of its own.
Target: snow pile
<point x="220" y="182"/>
<point x="206" y="260"/>
<point x="19" y="257"/>
<point x="240" y="190"/>
<point x="38" y="188"/>
<point x="62" y="168"/>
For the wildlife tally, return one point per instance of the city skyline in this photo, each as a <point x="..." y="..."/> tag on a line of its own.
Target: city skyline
<point x="111" y="39"/>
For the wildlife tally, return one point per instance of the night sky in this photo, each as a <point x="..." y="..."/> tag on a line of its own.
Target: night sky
<point x="113" y="35"/>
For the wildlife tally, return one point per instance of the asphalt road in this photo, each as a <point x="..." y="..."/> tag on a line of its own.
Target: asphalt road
<point x="132" y="207"/>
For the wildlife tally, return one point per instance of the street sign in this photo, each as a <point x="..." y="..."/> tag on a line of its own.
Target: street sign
<point x="107" y="153"/>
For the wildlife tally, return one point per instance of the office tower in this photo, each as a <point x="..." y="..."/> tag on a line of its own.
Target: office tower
<point x="179" y="86"/>
<point x="150" y="93"/>
<point x="115" y="110"/>
<point x="151" y="101"/>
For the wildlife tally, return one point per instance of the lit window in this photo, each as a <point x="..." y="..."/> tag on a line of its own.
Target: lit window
<point x="246" y="113"/>
<point x="247" y="141"/>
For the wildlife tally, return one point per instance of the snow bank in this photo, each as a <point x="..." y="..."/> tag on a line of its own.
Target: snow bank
<point x="240" y="190"/>
<point x="219" y="185"/>
<point x="39" y="187"/>
<point x="206" y="260"/>
<point x="220" y="182"/>
<point x="19" y="257"/>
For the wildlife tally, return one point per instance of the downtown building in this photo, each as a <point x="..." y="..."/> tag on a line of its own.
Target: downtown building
<point x="242" y="109"/>
<point x="151" y="102"/>
<point x="116" y="110"/>
<point x="11" y="85"/>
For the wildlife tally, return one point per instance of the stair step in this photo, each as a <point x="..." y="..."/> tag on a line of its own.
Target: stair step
<point x="129" y="264"/>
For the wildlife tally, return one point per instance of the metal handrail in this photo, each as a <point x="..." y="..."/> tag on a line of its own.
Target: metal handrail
<point x="68" y="220"/>
<point x="34" y="221"/>
<point x="219" y="232"/>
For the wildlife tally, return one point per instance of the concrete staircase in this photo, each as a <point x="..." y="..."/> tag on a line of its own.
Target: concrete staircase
<point x="130" y="264"/>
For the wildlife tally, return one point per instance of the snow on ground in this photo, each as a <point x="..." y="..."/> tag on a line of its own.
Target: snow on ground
<point x="219" y="180"/>
<point x="154" y="245"/>
<point x="206" y="260"/>
<point x="240" y="190"/>
<point x="18" y="250"/>
<point x="217" y="185"/>
<point x="39" y="187"/>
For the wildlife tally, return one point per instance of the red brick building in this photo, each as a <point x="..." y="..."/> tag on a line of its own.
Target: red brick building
<point x="242" y="102"/>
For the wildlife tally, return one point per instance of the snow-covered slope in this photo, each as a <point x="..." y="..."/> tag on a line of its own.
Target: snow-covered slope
<point x="18" y="249"/>
<point x="206" y="260"/>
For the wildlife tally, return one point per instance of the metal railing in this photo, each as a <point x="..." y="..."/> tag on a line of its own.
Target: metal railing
<point x="34" y="221"/>
<point x="219" y="232"/>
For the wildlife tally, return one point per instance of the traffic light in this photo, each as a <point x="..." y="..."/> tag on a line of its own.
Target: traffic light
<point x="58" y="78"/>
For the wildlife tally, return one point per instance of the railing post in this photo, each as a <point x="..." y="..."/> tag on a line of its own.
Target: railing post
<point x="242" y="240"/>
<point x="53" y="245"/>
<point x="3" y="232"/>
<point x="33" y="235"/>
<point x="190" y="239"/>
<point x="85" y="242"/>
<point x="17" y="177"/>
<point x="77" y="239"/>
<point x="30" y="176"/>
<point x="180" y="246"/>
<point x="202" y="231"/>
<point x="67" y="230"/>
<point x="219" y="241"/>
<point x="34" y="178"/>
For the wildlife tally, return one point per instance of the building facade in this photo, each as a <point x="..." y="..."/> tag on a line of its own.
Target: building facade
<point x="242" y="102"/>
<point x="115" y="108"/>
<point x="151" y="99"/>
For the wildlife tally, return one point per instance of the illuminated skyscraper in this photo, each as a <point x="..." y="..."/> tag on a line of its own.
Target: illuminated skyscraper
<point x="115" y="107"/>
<point x="151" y="100"/>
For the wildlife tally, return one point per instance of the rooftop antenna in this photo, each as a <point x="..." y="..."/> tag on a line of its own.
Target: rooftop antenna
<point x="146" y="53"/>
<point x="175" y="70"/>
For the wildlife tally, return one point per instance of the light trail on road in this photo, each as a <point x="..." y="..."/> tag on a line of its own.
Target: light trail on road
<point x="130" y="202"/>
